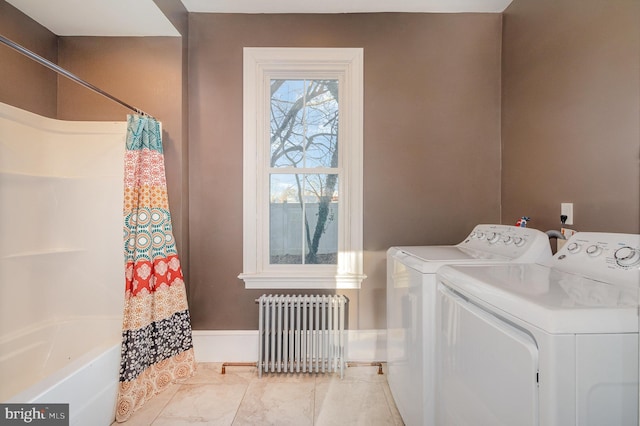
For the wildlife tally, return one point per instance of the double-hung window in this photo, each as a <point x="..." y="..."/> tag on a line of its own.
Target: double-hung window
<point x="302" y="188"/>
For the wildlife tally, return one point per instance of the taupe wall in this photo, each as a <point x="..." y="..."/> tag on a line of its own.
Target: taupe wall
<point x="25" y="83"/>
<point x="570" y="88"/>
<point x="145" y="72"/>
<point x="175" y="11"/>
<point x="431" y="142"/>
<point x="571" y="113"/>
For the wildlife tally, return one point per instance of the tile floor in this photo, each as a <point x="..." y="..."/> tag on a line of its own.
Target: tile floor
<point x="239" y="397"/>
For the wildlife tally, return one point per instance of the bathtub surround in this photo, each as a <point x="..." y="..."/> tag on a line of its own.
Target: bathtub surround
<point x="157" y="345"/>
<point x="61" y="272"/>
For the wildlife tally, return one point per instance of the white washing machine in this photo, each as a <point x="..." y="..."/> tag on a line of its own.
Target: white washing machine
<point x="411" y="292"/>
<point x="532" y="344"/>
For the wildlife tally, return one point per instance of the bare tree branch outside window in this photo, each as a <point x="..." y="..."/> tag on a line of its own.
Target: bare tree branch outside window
<point x="304" y="137"/>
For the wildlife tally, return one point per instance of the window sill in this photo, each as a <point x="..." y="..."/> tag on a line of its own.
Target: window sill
<point x="301" y="282"/>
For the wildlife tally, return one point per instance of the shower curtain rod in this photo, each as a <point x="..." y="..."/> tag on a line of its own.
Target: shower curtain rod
<point x="67" y="74"/>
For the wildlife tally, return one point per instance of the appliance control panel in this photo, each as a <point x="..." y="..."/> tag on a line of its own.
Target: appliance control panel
<point x="612" y="258"/>
<point x="512" y="242"/>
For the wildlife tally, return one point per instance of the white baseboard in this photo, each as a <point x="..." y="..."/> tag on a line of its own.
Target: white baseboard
<point x="242" y="345"/>
<point x="225" y="345"/>
<point x="367" y="345"/>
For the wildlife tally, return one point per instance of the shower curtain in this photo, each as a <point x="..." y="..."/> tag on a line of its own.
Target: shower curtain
<point x="157" y="346"/>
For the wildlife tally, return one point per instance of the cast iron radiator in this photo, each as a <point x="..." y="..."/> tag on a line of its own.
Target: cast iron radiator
<point x="301" y="334"/>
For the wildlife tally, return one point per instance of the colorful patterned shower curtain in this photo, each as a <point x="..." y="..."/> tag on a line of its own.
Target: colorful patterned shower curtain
<point x="157" y="346"/>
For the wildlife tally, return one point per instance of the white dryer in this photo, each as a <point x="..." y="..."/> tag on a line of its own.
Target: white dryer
<point x="532" y="344"/>
<point x="411" y="293"/>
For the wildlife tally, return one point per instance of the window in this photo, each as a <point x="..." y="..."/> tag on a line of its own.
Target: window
<point x="302" y="168"/>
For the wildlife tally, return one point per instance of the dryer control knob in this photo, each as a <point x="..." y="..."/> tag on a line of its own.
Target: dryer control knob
<point x="519" y="241"/>
<point x="573" y="248"/>
<point x="627" y="256"/>
<point x="493" y="237"/>
<point x="507" y="239"/>
<point x="480" y="235"/>
<point x="594" y="250"/>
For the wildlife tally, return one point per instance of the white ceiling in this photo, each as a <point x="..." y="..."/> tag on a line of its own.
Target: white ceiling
<point x="98" y="17"/>
<point x="143" y="18"/>
<point x="345" y="6"/>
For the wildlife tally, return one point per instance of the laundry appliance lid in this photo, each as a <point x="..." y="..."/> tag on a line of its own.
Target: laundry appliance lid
<point x="427" y="259"/>
<point x="552" y="300"/>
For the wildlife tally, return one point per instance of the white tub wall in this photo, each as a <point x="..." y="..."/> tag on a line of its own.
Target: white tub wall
<point x="34" y="363"/>
<point x="97" y="376"/>
<point x="96" y="373"/>
<point x="61" y="197"/>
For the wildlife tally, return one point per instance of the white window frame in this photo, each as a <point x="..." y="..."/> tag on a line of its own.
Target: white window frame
<point x="260" y="66"/>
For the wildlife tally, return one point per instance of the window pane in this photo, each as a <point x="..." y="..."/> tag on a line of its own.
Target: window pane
<point x="303" y="222"/>
<point x="304" y="123"/>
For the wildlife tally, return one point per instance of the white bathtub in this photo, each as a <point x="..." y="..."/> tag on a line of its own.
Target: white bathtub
<point x="75" y="361"/>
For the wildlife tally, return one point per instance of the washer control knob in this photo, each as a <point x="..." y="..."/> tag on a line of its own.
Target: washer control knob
<point x="573" y="248"/>
<point x="519" y="241"/>
<point x="627" y="256"/>
<point x="480" y="235"/>
<point x="493" y="237"/>
<point x="507" y="239"/>
<point x="594" y="250"/>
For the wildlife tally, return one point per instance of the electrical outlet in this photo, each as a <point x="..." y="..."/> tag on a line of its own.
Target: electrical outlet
<point x="566" y="209"/>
